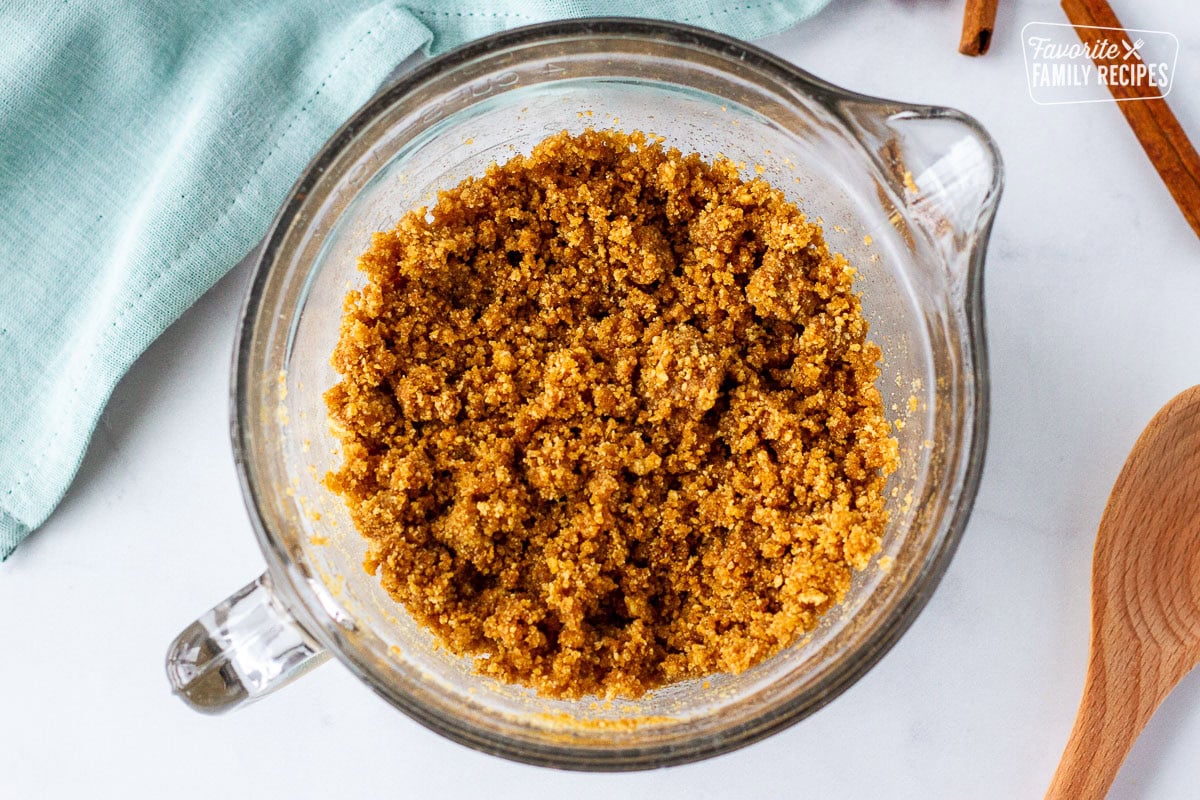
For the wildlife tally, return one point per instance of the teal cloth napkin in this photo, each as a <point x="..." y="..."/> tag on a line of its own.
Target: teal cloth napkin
<point x="145" y="147"/>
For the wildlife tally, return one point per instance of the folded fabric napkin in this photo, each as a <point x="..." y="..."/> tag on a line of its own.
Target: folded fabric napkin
<point x="145" y="147"/>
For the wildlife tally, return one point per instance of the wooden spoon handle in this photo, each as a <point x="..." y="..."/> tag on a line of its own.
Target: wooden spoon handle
<point x="1105" y="729"/>
<point x="1125" y="686"/>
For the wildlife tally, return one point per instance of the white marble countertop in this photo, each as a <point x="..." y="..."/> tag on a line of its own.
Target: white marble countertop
<point x="1092" y="289"/>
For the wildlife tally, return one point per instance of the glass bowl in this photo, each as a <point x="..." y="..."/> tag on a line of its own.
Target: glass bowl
<point x="906" y="192"/>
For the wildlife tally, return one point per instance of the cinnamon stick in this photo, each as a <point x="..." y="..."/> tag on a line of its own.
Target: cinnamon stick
<point x="979" y="20"/>
<point x="1161" y="135"/>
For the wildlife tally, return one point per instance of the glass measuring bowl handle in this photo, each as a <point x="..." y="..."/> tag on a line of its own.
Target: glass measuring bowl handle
<point x="245" y="647"/>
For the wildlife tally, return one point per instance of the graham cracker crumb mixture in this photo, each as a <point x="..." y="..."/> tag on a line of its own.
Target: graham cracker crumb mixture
<point x="608" y="418"/>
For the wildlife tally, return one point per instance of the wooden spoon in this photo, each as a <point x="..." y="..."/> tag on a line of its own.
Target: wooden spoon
<point x="1145" y="599"/>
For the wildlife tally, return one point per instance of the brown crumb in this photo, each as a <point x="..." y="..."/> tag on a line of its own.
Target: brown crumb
<point x="608" y="418"/>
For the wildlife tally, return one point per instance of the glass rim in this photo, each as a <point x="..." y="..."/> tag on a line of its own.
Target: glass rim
<point x="894" y="622"/>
